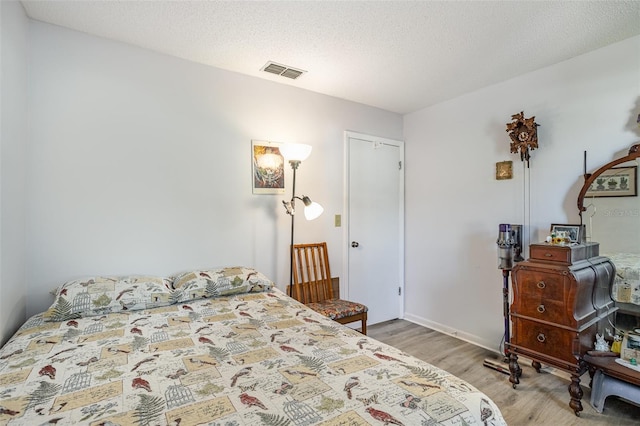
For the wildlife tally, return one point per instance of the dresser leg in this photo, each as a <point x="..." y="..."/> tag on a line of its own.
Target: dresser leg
<point x="514" y="369"/>
<point x="575" y="390"/>
<point x="536" y="365"/>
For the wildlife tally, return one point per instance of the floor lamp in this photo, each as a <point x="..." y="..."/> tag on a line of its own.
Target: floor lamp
<point x="296" y="154"/>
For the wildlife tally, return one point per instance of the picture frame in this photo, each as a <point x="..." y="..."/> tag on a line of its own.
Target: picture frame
<point x="267" y="167"/>
<point x="504" y="170"/>
<point x="615" y="182"/>
<point x="577" y="233"/>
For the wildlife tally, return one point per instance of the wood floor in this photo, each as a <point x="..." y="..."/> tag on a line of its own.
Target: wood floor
<point x="539" y="399"/>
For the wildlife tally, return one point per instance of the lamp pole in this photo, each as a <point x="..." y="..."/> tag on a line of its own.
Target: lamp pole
<point x="294" y="166"/>
<point x="296" y="153"/>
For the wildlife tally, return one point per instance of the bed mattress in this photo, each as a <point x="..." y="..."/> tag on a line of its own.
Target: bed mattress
<point x="242" y="359"/>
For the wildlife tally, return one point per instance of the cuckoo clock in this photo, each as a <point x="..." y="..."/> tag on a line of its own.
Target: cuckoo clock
<point x="524" y="135"/>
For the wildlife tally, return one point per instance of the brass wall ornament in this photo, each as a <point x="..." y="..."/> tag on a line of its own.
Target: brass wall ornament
<point x="504" y="170"/>
<point x="524" y="135"/>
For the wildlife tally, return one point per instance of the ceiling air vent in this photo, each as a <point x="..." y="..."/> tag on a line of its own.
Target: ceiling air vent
<point x="282" y="70"/>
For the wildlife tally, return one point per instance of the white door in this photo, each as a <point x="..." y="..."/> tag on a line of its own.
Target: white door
<point x="375" y="227"/>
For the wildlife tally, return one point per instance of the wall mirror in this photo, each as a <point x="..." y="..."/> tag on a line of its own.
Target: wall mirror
<point x="609" y="207"/>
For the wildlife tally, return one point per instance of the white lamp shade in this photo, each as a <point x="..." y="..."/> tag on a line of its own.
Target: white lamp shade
<point x="295" y="151"/>
<point x="313" y="210"/>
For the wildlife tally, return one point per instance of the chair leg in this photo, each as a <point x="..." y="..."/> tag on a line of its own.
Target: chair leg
<point x="364" y="324"/>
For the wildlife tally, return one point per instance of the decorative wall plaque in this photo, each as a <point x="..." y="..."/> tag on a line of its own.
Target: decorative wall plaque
<point x="504" y="170"/>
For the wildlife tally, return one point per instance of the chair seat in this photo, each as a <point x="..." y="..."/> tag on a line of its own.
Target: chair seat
<point x="338" y="308"/>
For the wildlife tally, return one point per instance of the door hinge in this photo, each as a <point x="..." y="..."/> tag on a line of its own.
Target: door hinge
<point x="399" y="291"/>
<point x="399" y="165"/>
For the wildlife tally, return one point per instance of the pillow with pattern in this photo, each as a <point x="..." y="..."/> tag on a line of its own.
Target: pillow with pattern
<point x="104" y="295"/>
<point x="219" y="282"/>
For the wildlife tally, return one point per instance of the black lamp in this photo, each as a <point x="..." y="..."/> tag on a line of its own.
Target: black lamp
<point x="296" y="154"/>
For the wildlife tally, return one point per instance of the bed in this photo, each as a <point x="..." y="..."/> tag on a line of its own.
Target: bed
<point x="626" y="285"/>
<point x="220" y="346"/>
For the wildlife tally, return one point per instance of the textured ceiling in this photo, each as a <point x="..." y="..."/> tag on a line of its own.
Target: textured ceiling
<point x="397" y="55"/>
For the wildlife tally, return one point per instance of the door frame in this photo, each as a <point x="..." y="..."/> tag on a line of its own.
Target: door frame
<point x="344" y="283"/>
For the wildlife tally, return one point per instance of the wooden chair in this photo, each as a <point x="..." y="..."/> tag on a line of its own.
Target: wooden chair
<point x="312" y="286"/>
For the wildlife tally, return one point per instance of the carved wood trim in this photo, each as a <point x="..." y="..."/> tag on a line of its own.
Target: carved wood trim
<point x="634" y="153"/>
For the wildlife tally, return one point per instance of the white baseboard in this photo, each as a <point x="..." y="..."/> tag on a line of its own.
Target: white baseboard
<point x="475" y="340"/>
<point x="458" y="334"/>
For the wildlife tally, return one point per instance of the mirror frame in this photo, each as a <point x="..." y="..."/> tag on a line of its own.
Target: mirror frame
<point x="634" y="153"/>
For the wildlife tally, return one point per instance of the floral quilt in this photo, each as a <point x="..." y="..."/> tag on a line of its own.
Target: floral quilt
<point x="626" y="285"/>
<point x="243" y="359"/>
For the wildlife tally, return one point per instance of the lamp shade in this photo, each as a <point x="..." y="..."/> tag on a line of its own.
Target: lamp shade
<point x="313" y="210"/>
<point x="295" y="151"/>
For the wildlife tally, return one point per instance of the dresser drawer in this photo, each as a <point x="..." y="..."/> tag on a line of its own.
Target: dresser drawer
<point x="543" y="285"/>
<point x="544" y="310"/>
<point x="566" y="255"/>
<point x="551" y="341"/>
<point x="550" y="253"/>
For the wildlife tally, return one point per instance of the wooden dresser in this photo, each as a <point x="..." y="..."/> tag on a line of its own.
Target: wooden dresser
<point x="561" y="299"/>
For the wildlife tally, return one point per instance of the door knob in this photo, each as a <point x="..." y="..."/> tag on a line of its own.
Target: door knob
<point x="355" y="244"/>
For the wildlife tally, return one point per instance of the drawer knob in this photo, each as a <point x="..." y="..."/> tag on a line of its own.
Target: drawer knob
<point x="548" y="255"/>
<point x="541" y="284"/>
<point x="541" y="309"/>
<point x="541" y="338"/>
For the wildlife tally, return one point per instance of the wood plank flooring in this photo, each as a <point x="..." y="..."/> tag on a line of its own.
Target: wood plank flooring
<point x="539" y="399"/>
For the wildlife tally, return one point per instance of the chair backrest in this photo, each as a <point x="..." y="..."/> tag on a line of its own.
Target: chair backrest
<point x="311" y="273"/>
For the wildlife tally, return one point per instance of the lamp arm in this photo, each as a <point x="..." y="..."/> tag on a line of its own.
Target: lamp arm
<point x="289" y="206"/>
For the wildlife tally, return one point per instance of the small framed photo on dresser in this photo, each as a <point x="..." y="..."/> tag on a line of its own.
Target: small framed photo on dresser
<point x="576" y="233"/>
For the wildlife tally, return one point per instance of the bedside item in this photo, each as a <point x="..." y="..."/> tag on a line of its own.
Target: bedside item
<point x="602" y="354"/>
<point x="609" y="377"/>
<point x="630" y="347"/>
<point x="560" y="302"/>
<point x="569" y="233"/>
<point x="616" y="346"/>
<point x="601" y="345"/>
<point x="629" y="364"/>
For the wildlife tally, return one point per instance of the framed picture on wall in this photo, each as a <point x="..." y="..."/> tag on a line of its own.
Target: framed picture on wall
<point x="615" y="182"/>
<point x="504" y="170"/>
<point x="576" y="233"/>
<point x="267" y="167"/>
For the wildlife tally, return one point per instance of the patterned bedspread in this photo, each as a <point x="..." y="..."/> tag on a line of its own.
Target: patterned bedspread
<point x="244" y="359"/>
<point x="626" y="286"/>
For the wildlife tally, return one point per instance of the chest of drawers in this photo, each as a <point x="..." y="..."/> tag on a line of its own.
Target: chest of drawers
<point x="561" y="299"/>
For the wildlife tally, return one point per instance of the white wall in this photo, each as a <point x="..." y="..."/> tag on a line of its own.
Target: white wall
<point x="141" y="163"/>
<point x="454" y="204"/>
<point x="13" y="142"/>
